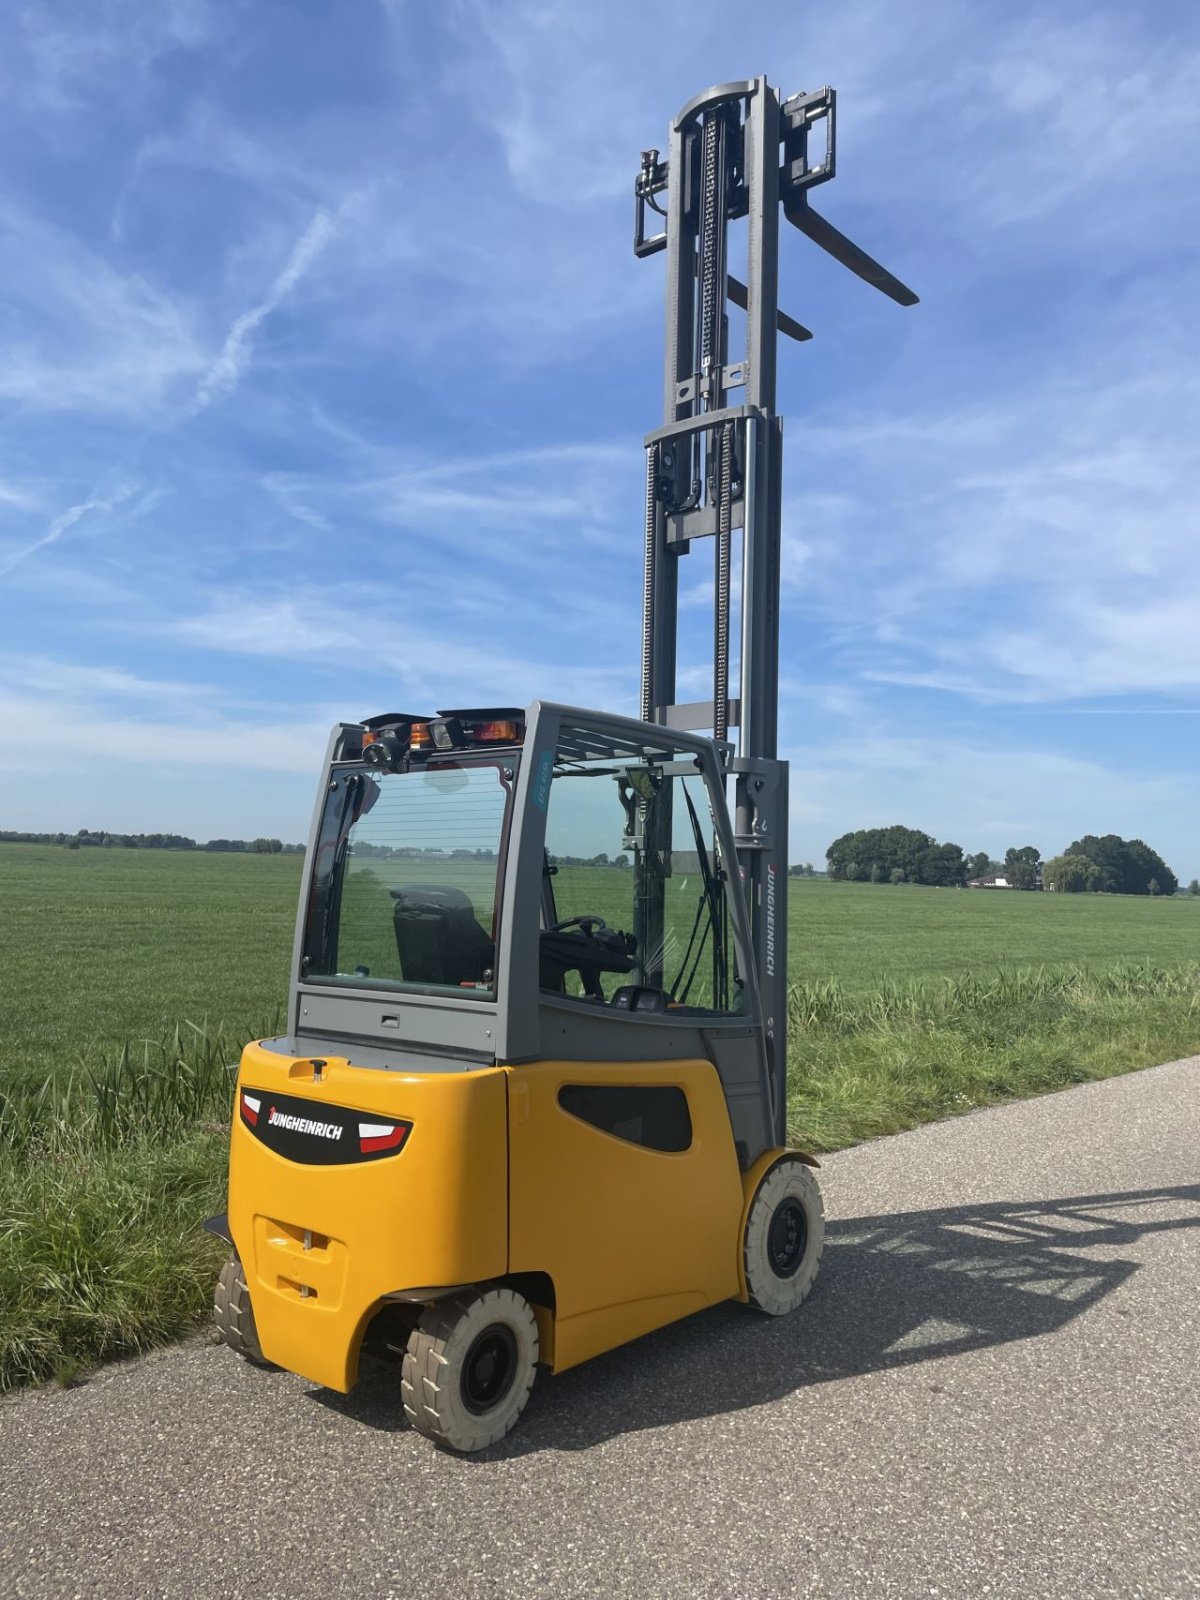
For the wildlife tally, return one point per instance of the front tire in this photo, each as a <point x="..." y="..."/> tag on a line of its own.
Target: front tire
<point x="785" y="1235"/>
<point x="468" y="1368"/>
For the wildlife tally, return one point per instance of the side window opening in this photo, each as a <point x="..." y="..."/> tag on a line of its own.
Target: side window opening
<point x="635" y="903"/>
<point x="655" y="1115"/>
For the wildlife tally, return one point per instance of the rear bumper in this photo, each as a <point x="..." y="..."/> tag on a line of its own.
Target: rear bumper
<point x="323" y="1242"/>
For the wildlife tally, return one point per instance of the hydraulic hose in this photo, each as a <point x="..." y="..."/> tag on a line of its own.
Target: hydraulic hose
<point x="723" y="584"/>
<point x="648" y="581"/>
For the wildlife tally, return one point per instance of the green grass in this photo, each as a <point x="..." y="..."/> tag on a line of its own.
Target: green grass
<point x="99" y="946"/>
<point x="100" y="1253"/>
<point x="865" y="935"/>
<point x="870" y="1063"/>
<point x="131" y="979"/>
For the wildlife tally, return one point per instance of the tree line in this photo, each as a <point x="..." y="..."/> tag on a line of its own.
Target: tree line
<point x="100" y="838"/>
<point x="1098" y="865"/>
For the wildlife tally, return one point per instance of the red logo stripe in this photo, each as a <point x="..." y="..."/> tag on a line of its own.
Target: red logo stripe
<point x="385" y="1141"/>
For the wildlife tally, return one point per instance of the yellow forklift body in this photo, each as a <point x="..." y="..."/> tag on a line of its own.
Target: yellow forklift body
<point x="433" y="1214"/>
<point x="632" y="1238"/>
<point x="494" y="1178"/>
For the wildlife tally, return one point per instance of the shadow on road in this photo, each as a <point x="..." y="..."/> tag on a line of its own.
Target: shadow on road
<point x="893" y="1291"/>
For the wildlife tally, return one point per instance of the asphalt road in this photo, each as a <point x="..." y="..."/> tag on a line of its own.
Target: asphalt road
<point x="992" y="1393"/>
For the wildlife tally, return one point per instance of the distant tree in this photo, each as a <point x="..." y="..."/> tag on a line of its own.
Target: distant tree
<point x="943" y="866"/>
<point x="1146" y="865"/>
<point x="1124" y="866"/>
<point x="895" y="875"/>
<point x="979" y="865"/>
<point x="1193" y="888"/>
<point x="1069" y="874"/>
<point x="1022" y="867"/>
<point x="876" y="853"/>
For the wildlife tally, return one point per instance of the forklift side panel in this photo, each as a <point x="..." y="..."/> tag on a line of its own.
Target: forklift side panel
<point x="632" y="1236"/>
<point x="322" y="1244"/>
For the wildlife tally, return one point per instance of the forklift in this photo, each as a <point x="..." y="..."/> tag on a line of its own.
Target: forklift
<point x="530" y="1104"/>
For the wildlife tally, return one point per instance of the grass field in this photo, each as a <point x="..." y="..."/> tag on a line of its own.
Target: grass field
<point x="131" y="978"/>
<point x="99" y="946"/>
<point x="866" y="934"/>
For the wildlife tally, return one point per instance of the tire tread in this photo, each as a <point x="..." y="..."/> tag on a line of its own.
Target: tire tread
<point x="789" y="1175"/>
<point x="425" y="1360"/>
<point x="234" y="1314"/>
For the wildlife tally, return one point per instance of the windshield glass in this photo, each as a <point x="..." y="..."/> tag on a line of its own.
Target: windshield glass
<point x="405" y="880"/>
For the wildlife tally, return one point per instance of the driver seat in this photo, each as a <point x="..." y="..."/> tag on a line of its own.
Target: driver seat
<point x="438" y="939"/>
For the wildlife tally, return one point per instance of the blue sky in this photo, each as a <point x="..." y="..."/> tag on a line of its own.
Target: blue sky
<point x="326" y="362"/>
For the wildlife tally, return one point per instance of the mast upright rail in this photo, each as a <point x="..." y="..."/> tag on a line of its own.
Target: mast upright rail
<point x="714" y="467"/>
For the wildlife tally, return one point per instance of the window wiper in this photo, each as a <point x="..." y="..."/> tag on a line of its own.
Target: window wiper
<point x="333" y="899"/>
<point x="709" y="879"/>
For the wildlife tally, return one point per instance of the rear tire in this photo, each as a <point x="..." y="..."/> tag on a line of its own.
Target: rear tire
<point x="468" y="1368"/>
<point x="234" y="1315"/>
<point x="785" y="1235"/>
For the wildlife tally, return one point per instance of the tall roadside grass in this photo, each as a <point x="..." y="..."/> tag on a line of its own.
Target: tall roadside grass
<point x="861" y="1065"/>
<point x="107" y="1170"/>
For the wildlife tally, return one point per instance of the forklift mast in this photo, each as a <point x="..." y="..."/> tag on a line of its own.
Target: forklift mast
<point x="714" y="468"/>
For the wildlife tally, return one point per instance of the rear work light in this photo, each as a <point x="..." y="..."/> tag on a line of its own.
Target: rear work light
<point x="452" y="730"/>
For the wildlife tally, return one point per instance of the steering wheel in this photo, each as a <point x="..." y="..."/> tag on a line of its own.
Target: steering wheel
<point x="588" y="925"/>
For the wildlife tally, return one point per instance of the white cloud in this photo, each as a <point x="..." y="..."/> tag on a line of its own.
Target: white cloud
<point x="18" y="497"/>
<point x="407" y="643"/>
<point x="1042" y="546"/>
<point x="288" y="489"/>
<point x="60" y="64"/>
<point x="1085" y="103"/>
<point x="86" y="335"/>
<point x="65" y="521"/>
<point x="225" y="372"/>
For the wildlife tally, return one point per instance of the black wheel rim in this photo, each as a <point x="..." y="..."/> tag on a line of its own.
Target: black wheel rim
<point x="489" y="1370"/>
<point x="787" y="1239"/>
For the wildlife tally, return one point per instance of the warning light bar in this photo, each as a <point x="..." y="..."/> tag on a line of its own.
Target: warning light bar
<point x="390" y="741"/>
